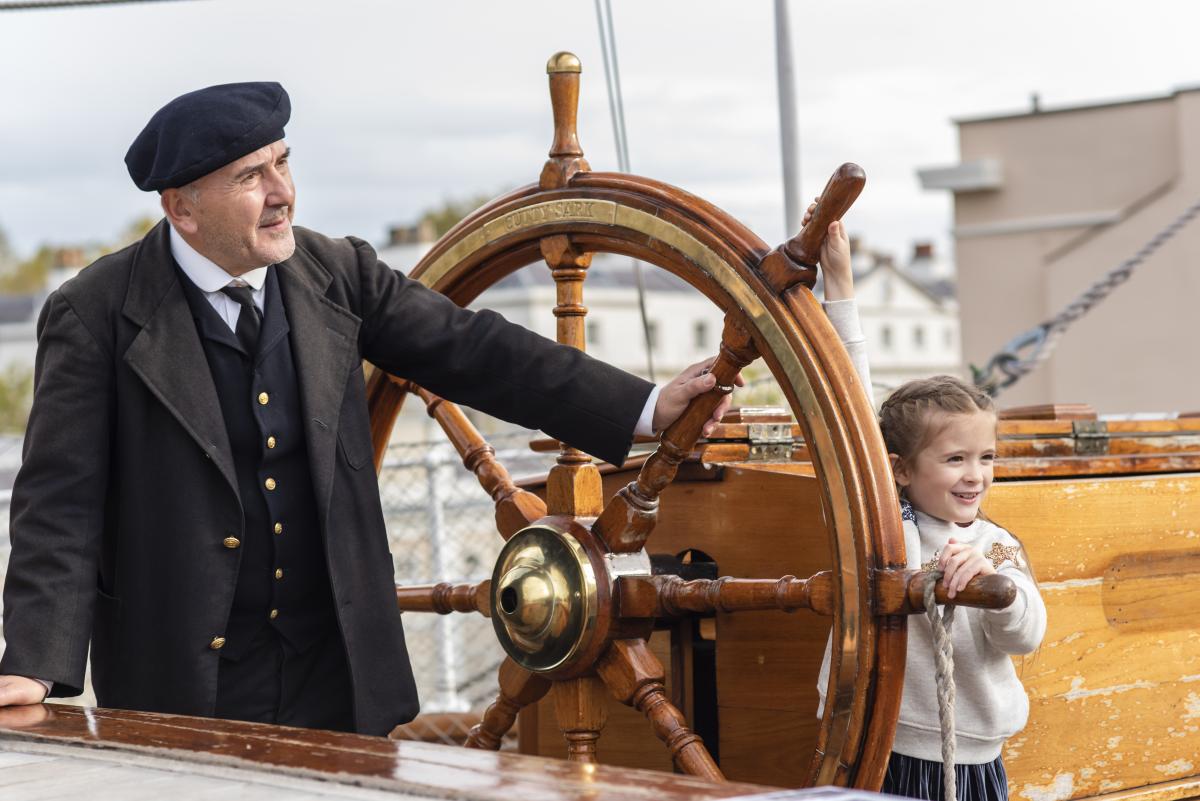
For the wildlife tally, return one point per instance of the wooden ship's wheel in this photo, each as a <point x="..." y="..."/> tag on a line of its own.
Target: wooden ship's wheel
<point x="572" y="597"/>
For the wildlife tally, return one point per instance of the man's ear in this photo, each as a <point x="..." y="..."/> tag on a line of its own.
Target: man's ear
<point x="177" y="205"/>
<point x="900" y="470"/>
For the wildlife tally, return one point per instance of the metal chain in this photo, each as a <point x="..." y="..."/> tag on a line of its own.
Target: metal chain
<point x="1008" y="366"/>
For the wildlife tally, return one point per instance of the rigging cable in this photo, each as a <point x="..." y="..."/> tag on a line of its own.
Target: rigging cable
<point x="616" y="108"/>
<point x="1008" y="367"/>
<point x="30" y="5"/>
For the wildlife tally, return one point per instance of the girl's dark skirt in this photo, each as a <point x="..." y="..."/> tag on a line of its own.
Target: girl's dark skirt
<point x="919" y="778"/>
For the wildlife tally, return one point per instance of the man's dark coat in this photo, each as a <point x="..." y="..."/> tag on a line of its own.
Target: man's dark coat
<point x="128" y="486"/>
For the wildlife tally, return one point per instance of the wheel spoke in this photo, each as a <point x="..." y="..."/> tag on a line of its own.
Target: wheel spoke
<point x="445" y="598"/>
<point x="677" y="597"/>
<point x="902" y="592"/>
<point x="518" y="688"/>
<point x="515" y="507"/>
<point x="897" y="592"/>
<point x="581" y="708"/>
<point x="573" y="486"/>
<point x="635" y="677"/>
<point x="629" y="517"/>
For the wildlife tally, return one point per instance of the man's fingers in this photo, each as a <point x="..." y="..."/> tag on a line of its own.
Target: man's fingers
<point x="699" y="368"/>
<point x="16" y="690"/>
<point x="699" y="385"/>
<point x="717" y="414"/>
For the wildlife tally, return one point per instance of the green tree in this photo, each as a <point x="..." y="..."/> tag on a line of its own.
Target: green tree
<point x="448" y="214"/>
<point x="28" y="276"/>
<point x="6" y="254"/>
<point x="136" y="229"/>
<point x="16" y="396"/>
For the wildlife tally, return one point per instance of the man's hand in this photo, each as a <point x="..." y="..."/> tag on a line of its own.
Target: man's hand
<point x="15" y="690"/>
<point x="676" y="395"/>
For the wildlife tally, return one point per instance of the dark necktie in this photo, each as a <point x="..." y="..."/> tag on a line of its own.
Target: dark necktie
<point x="249" y="321"/>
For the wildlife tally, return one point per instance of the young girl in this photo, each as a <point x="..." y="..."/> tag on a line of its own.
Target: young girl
<point x="941" y="437"/>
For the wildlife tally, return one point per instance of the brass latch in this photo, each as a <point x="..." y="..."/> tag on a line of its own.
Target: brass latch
<point x="1091" y="437"/>
<point x="770" y="442"/>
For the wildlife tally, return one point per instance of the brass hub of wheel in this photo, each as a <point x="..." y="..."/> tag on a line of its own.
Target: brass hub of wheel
<point x="544" y="597"/>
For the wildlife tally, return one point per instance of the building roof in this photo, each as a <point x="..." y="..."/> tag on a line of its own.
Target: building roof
<point x="938" y="291"/>
<point x="16" y="308"/>
<point x="1039" y="112"/>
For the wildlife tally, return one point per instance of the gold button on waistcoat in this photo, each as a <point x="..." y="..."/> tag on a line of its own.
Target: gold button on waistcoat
<point x="270" y="442"/>
<point x="263" y="398"/>
<point x="279" y="572"/>
<point x="279" y="528"/>
<point x="274" y="614"/>
<point x="217" y="643"/>
<point x="231" y="542"/>
<point x="269" y="483"/>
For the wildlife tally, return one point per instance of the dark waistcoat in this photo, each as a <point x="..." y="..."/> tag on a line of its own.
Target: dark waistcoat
<point x="283" y="578"/>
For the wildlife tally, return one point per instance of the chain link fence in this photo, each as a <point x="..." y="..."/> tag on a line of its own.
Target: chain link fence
<point x="441" y="527"/>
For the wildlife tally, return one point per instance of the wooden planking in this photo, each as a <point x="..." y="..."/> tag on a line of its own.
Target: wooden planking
<point x="276" y="753"/>
<point x="770" y="660"/>
<point x="63" y="773"/>
<point x="1150" y="591"/>
<point x="1117" y="465"/>
<point x="1164" y="791"/>
<point x="751" y="745"/>
<point x="1078" y="527"/>
<point x="1115" y="688"/>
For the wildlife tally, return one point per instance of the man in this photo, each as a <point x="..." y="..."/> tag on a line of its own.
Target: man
<point x="197" y="497"/>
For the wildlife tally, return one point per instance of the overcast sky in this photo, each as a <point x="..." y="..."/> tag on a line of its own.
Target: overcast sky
<point x="398" y="105"/>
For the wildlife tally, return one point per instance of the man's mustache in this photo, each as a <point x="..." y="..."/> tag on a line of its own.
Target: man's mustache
<point x="275" y="215"/>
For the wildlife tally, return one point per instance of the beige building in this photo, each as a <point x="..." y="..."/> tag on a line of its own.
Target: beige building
<point x="1046" y="203"/>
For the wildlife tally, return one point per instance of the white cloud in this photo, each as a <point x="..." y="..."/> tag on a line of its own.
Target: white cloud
<point x="399" y="105"/>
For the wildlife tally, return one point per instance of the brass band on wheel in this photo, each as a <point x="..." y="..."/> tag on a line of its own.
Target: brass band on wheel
<point x="544" y="597"/>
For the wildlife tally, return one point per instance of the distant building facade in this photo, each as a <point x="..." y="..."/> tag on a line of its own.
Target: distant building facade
<point x="1046" y="203"/>
<point x="909" y="317"/>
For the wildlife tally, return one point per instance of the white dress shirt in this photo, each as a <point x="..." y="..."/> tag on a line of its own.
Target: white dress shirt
<point x="211" y="279"/>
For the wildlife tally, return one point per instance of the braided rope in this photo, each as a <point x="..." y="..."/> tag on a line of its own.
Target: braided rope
<point x="943" y="656"/>
<point x="1043" y="339"/>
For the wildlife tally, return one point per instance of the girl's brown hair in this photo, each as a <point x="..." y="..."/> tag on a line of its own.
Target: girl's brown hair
<point x="906" y="415"/>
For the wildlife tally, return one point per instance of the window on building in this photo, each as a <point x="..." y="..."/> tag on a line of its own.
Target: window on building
<point x="885" y="336"/>
<point x="652" y="334"/>
<point x="919" y="337"/>
<point x="700" y="338"/>
<point x="593" y="332"/>
<point x="949" y="338"/>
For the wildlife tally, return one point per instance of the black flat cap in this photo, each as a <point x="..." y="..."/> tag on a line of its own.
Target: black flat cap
<point x="204" y="130"/>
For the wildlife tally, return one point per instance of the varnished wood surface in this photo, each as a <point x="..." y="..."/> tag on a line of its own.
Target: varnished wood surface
<point x="1049" y="411"/>
<point x="420" y="770"/>
<point x="1115" y="688"/>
